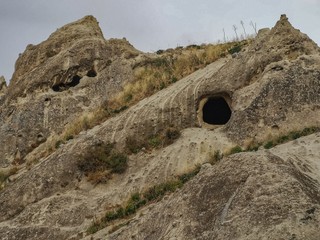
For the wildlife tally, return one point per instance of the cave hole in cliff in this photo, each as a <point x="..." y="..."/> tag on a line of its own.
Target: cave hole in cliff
<point x="91" y="73"/>
<point x="57" y="87"/>
<point x="74" y="81"/>
<point x="216" y="110"/>
<point x="47" y="101"/>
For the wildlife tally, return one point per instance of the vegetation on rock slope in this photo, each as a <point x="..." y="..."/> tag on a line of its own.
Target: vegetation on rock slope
<point x="269" y="142"/>
<point x="156" y="73"/>
<point x="156" y="193"/>
<point x="138" y="200"/>
<point x="152" y="74"/>
<point x="101" y="161"/>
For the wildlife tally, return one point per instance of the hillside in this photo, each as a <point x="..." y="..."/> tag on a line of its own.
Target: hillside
<point x="101" y="141"/>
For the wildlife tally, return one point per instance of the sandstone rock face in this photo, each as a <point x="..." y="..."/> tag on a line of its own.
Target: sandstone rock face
<point x="3" y="88"/>
<point x="271" y="88"/>
<point x="3" y="84"/>
<point x="73" y="71"/>
<point x="270" y="194"/>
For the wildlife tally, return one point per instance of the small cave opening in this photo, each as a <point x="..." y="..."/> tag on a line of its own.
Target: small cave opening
<point x="47" y="101"/>
<point x="92" y="73"/>
<point x="57" y="87"/>
<point x="216" y="111"/>
<point x="75" y="80"/>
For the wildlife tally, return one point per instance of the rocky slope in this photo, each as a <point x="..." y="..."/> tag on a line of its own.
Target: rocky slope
<point x="269" y="194"/>
<point x="71" y="72"/>
<point x="268" y="88"/>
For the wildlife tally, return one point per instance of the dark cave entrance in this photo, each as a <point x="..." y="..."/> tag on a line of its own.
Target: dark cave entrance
<point x="74" y="82"/>
<point x="216" y="111"/>
<point x="65" y="86"/>
<point x="92" y="73"/>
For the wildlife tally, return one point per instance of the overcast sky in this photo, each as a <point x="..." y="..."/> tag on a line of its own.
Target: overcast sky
<point x="148" y="24"/>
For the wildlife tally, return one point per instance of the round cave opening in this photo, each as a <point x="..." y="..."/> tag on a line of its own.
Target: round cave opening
<point x="216" y="111"/>
<point x="92" y="73"/>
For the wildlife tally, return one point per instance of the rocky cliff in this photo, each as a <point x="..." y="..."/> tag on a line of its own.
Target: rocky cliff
<point x="267" y="94"/>
<point x="3" y="86"/>
<point x="71" y="72"/>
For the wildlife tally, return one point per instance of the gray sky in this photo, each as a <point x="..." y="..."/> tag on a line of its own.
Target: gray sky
<point x="148" y="24"/>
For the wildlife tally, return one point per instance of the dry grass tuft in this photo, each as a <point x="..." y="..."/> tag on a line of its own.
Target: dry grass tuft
<point x="101" y="161"/>
<point x="154" y="74"/>
<point x="150" y="141"/>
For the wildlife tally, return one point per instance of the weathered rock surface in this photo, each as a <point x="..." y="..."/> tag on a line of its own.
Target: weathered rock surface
<point x="3" y="84"/>
<point x="269" y="194"/>
<point x="271" y="87"/>
<point x="73" y="71"/>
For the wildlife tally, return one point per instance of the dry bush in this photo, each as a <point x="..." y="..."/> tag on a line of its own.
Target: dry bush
<point x="99" y="177"/>
<point x="100" y="161"/>
<point x="150" y="141"/>
<point x="85" y="122"/>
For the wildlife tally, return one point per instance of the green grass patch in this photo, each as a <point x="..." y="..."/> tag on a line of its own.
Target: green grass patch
<point x="158" y="191"/>
<point x="291" y="136"/>
<point x="155" y="141"/>
<point x="187" y="176"/>
<point x="235" y="49"/>
<point x="236" y="149"/>
<point x="269" y="145"/>
<point x="138" y="200"/>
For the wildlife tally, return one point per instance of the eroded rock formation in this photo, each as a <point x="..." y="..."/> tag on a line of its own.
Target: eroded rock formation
<point x="269" y="194"/>
<point x="73" y="71"/>
<point x="271" y="87"/>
